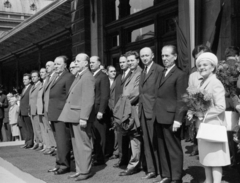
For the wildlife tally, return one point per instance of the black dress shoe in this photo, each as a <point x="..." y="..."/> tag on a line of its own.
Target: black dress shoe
<point x="62" y="171"/>
<point x="166" y="180"/>
<point x="119" y="164"/>
<point x="53" y="169"/>
<point x="150" y="175"/>
<point x="176" y="181"/>
<point x="35" y="146"/>
<point x="113" y="157"/>
<point x="98" y="163"/>
<point x="128" y="172"/>
<point x="28" y="146"/>
<point x="39" y="148"/>
<point x="24" y="146"/>
<point x="84" y="176"/>
<point x="74" y="175"/>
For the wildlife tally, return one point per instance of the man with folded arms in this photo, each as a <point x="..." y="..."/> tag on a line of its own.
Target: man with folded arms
<point x="78" y="112"/>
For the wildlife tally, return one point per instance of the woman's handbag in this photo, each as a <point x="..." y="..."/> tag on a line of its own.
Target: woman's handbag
<point x="212" y="133"/>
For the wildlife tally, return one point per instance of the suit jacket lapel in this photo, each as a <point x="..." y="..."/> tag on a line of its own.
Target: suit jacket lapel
<point x="34" y="86"/>
<point x="98" y="73"/>
<point x="149" y="73"/>
<point x="55" y="81"/>
<point x="127" y="76"/>
<point x="168" y="75"/>
<point x="24" y="91"/>
<point x="113" y="86"/>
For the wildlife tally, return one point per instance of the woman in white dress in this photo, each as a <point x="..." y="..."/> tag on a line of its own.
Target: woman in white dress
<point x="212" y="155"/>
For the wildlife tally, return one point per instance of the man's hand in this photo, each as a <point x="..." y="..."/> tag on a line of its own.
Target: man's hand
<point x="83" y="123"/>
<point x="176" y="126"/>
<point x="99" y="115"/>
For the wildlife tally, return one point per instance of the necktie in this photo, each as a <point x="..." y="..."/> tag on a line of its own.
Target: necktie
<point x="123" y="76"/>
<point x="164" y="72"/>
<point x="144" y="73"/>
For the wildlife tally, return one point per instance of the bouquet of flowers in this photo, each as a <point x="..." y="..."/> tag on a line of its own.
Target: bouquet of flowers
<point x="228" y="75"/>
<point x="197" y="101"/>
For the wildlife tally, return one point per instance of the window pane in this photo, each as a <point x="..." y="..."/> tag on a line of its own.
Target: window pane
<point x="139" y="5"/>
<point x="142" y="33"/>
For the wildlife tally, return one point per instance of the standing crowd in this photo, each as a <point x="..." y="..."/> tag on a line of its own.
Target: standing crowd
<point x="92" y="115"/>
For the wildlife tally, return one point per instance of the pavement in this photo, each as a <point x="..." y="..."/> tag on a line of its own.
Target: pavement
<point x="19" y="165"/>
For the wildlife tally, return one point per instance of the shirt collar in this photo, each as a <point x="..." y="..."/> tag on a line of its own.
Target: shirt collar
<point x="94" y="73"/>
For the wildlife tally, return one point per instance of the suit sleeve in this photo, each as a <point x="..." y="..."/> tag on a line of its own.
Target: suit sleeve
<point x="218" y="101"/>
<point x="134" y="95"/>
<point x="181" y="86"/>
<point x="105" y="93"/>
<point x="88" y="95"/>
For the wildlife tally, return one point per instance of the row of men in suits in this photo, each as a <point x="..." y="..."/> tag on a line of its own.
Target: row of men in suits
<point x="34" y="100"/>
<point x="146" y="106"/>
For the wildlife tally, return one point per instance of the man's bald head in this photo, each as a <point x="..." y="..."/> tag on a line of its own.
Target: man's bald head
<point x="50" y="67"/>
<point x="81" y="61"/>
<point x="146" y="55"/>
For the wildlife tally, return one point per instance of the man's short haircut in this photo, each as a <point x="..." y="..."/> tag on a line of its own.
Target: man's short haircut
<point x="28" y="75"/>
<point x="43" y="68"/>
<point x="231" y="51"/>
<point x="200" y="48"/>
<point x="174" y="48"/>
<point x="108" y="67"/>
<point x="35" y="71"/>
<point x="130" y="53"/>
<point x="65" y="58"/>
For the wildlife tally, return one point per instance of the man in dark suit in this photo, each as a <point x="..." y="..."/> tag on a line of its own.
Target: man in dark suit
<point x="102" y="92"/>
<point x="24" y="112"/>
<point x="112" y="145"/>
<point x="168" y="116"/>
<point x="147" y="97"/>
<point x="122" y="139"/>
<point x="79" y="113"/>
<point x="57" y="97"/>
<point x="3" y="105"/>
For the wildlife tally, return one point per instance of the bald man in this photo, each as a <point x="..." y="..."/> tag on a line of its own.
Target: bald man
<point x="102" y="94"/>
<point x="151" y="73"/>
<point x="78" y="112"/>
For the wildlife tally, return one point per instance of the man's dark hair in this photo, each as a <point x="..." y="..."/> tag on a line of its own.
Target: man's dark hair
<point x="174" y="48"/>
<point x="35" y="71"/>
<point x="29" y="76"/>
<point x="200" y="48"/>
<point x="231" y="51"/>
<point x="108" y="67"/>
<point x="65" y="58"/>
<point x="130" y="53"/>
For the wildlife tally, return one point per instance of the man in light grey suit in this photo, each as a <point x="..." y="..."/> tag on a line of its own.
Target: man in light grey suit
<point x="33" y="94"/>
<point x="46" y="90"/>
<point x="78" y="112"/>
<point x="44" y="126"/>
